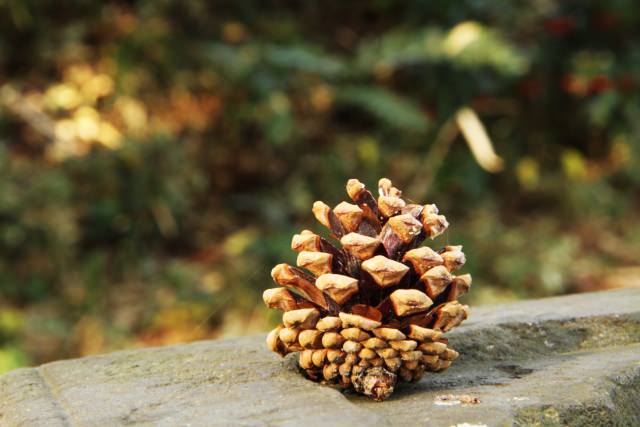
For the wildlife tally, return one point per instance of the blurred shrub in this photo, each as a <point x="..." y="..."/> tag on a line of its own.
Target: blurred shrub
<point x="156" y="157"/>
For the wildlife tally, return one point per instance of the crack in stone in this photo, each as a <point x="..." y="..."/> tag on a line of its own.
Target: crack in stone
<point x="63" y="412"/>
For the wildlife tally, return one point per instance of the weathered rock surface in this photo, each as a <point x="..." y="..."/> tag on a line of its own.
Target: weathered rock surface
<point x="571" y="360"/>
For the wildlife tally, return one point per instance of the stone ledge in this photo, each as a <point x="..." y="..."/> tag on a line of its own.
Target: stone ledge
<point x="559" y="361"/>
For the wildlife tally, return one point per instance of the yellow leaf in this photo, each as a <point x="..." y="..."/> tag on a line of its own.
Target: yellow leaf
<point x="574" y="165"/>
<point x="64" y="96"/>
<point x="528" y="172"/>
<point x="461" y="36"/>
<point x="238" y="242"/>
<point x="478" y="140"/>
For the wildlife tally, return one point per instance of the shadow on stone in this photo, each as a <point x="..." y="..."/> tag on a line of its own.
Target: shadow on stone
<point x="514" y="371"/>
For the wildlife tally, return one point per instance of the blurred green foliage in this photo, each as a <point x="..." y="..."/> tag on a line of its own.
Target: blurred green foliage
<point x="157" y="156"/>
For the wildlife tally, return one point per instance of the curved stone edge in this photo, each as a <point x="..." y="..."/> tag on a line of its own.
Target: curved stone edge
<point x="608" y="303"/>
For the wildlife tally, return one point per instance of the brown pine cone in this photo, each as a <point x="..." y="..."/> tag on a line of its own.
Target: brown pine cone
<point x="373" y="311"/>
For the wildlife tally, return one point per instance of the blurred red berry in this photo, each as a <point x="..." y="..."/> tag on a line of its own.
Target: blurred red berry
<point x="600" y="84"/>
<point x="560" y="25"/>
<point x="575" y="85"/>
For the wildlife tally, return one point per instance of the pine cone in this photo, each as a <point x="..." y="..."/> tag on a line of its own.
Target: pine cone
<point x="373" y="312"/>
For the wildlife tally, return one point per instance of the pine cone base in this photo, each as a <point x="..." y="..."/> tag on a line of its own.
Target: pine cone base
<point x="376" y="383"/>
<point x="369" y="361"/>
